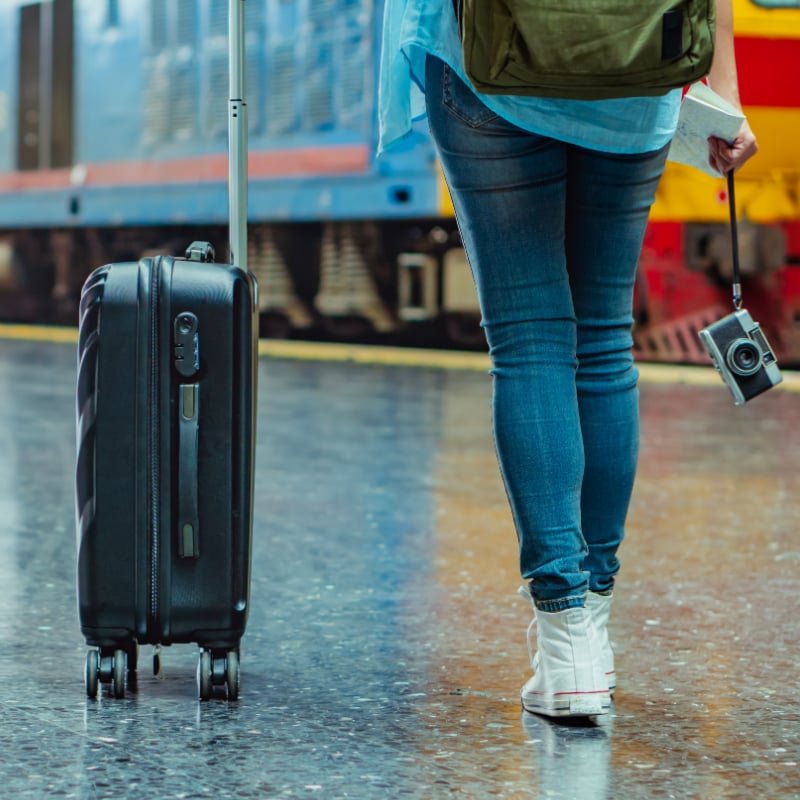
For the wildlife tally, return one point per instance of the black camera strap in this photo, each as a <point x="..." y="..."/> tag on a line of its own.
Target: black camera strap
<point x="737" y="277"/>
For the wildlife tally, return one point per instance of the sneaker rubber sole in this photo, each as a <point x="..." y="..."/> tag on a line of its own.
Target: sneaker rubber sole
<point x="578" y="704"/>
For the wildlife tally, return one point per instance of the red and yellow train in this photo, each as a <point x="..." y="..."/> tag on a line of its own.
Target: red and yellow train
<point x="686" y="266"/>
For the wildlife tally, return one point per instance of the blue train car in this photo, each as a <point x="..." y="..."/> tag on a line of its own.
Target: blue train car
<point x="113" y="128"/>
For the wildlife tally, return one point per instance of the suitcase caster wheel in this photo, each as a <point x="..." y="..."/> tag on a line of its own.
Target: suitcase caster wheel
<point x="120" y="667"/>
<point x="92" y="674"/>
<point x="232" y="674"/>
<point x="133" y="658"/>
<point x="204" y="675"/>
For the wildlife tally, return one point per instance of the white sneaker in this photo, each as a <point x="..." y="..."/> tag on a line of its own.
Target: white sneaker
<point x="599" y="606"/>
<point x="569" y="680"/>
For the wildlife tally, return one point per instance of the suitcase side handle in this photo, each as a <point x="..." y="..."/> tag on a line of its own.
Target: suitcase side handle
<point x="188" y="435"/>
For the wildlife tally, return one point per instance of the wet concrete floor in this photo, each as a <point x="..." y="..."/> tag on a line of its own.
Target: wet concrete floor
<point x="386" y="642"/>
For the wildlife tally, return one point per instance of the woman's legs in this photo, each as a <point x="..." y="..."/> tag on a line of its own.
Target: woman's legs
<point x="553" y="235"/>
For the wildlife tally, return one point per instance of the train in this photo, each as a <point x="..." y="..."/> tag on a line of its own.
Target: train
<point x="113" y="128"/>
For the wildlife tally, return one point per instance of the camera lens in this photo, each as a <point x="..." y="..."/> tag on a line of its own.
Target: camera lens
<point x="744" y="357"/>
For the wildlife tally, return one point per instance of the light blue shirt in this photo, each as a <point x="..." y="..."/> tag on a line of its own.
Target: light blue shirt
<point x="414" y="28"/>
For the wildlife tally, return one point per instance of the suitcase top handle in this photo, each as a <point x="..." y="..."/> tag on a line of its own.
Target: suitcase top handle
<point x="201" y="251"/>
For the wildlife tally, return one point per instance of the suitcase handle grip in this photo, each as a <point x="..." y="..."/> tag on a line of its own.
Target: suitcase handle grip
<point x="189" y="431"/>
<point x="201" y="251"/>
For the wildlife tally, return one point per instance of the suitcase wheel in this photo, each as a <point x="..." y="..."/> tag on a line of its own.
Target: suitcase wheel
<point x="218" y="668"/>
<point x="232" y="674"/>
<point x="92" y="674"/>
<point x="120" y="668"/>
<point x="133" y="660"/>
<point x="204" y="675"/>
<point x="106" y="666"/>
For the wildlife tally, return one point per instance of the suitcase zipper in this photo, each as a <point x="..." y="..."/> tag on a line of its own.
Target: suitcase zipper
<point x="155" y="436"/>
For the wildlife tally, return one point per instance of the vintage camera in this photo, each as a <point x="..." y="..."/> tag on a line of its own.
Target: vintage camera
<point x="742" y="355"/>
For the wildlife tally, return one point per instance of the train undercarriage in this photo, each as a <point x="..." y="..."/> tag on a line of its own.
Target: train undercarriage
<point x="408" y="282"/>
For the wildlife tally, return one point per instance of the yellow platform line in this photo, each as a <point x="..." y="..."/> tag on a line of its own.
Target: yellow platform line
<point x="403" y="357"/>
<point x="372" y="354"/>
<point x="39" y="333"/>
<point x="459" y="360"/>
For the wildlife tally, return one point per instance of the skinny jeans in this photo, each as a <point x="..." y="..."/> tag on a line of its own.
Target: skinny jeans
<point x="553" y="234"/>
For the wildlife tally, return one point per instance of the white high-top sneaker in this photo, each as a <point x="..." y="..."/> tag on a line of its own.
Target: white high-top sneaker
<point x="570" y="680"/>
<point x="599" y="606"/>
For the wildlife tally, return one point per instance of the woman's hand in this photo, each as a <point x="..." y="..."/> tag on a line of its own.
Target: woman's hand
<point x="724" y="156"/>
<point x="727" y="156"/>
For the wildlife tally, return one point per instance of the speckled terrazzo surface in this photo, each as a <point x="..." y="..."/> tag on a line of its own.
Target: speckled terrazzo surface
<point x="386" y="642"/>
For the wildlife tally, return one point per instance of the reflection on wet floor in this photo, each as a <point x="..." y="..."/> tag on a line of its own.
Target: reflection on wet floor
<point x="386" y="643"/>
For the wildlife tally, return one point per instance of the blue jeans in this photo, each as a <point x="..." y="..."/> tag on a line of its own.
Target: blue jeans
<point x="553" y="234"/>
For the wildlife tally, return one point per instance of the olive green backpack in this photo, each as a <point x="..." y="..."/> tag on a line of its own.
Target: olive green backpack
<point x="585" y="49"/>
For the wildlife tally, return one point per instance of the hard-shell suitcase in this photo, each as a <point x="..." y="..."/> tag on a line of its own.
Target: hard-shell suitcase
<point x="166" y="426"/>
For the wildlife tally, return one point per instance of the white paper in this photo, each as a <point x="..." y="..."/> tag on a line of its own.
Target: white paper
<point x="703" y="113"/>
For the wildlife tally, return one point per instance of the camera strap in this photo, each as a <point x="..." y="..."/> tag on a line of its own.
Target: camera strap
<point x="737" y="277"/>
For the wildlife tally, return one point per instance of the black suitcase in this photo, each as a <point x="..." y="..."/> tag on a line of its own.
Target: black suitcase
<point x="166" y="391"/>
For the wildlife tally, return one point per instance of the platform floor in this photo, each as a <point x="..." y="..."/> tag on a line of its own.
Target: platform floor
<point x="386" y="643"/>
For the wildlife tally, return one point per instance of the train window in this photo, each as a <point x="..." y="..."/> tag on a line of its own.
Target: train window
<point x="45" y="89"/>
<point x="216" y="123"/>
<point x="112" y="14"/>
<point x="172" y="72"/>
<point x="318" y="109"/>
<point x="214" y="68"/>
<point x="158" y="25"/>
<point x="29" y="87"/>
<point x="172" y="23"/>
<point x="218" y="18"/>
<point x="335" y="87"/>
<point x="778" y="3"/>
<point x="191" y="66"/>
<point x="186" y="23"/>
<point x="282" y="81"/>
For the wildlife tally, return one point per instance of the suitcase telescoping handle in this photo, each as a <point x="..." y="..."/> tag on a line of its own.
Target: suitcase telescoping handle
<point x="237" y="135"/>
<point x="237" y="147"/>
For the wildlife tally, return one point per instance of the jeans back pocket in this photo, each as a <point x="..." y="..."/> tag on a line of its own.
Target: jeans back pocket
<point x="462" y="101"/>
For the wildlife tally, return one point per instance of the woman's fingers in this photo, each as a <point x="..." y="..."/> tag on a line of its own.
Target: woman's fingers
<point x="726" y="156"/>
<point x="714" y="154"/>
